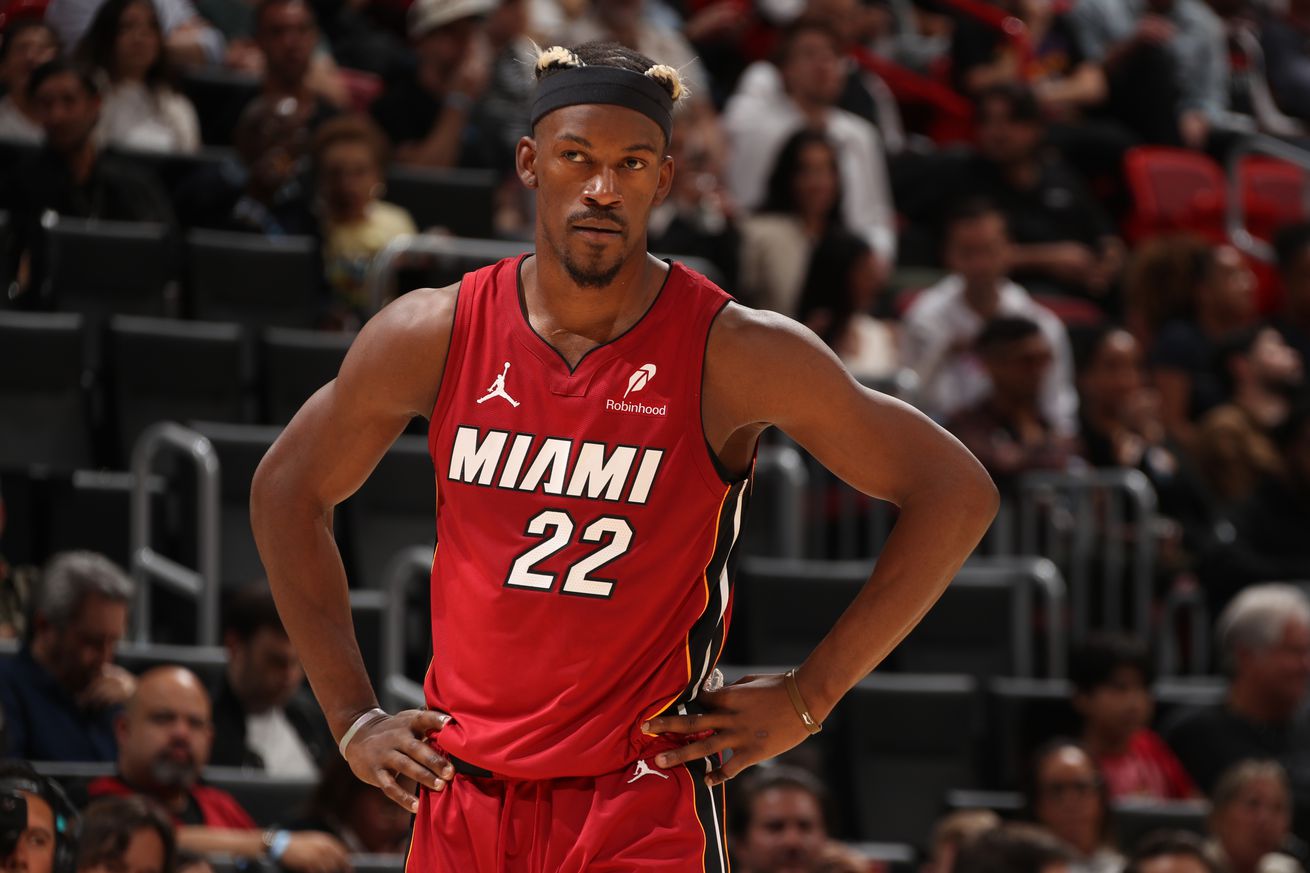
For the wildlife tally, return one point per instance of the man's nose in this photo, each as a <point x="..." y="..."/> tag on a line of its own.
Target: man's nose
<point x="601" y="190"/>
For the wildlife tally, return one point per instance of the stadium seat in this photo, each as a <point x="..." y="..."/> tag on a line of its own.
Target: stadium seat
<point x="164" y="370"/>
<point x="395" y="508"/>
<point x="1273" y="194"/>
<point x="91" y="509"/>
<point x="1134" y="819"/>
<point x="252" y="279"/>
<point x="45" y="420"/>
<point x="972" y="629"/>
<point x="294" y="364"/>
<point x="219" y="96"/>
<point x="461" y="201"/>
<point x="783" y="607"/>
<point x="1174" y="697"/>
<point x="1021" y="715"/>
<point x="908" y="739"/>
<point x="269" y="800"/>
<point x="103" y="268"/>
<point x="174" y="168"/>
<point x="1173" y="190"/>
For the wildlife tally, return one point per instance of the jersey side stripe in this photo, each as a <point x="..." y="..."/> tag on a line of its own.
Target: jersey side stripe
<point x="706" y="636"/>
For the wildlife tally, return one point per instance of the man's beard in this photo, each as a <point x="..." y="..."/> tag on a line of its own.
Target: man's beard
<point x="589" y="277"/>
<point x="168" y="773"/>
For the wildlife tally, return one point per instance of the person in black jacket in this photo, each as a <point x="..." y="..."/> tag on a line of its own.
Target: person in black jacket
<point x="263" y="716"/>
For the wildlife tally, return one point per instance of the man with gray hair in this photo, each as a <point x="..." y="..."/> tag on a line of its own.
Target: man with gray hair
<point x="60" y="692"/>
<point x="1264" y="642"/>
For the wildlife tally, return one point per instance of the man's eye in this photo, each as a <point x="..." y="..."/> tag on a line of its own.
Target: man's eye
<point x="634" y="164"/>
<point x="572" y="156"/>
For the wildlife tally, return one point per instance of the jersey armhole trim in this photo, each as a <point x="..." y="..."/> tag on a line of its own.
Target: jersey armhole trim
<point x="441" y="408"/>
<point x="726" y="479"/>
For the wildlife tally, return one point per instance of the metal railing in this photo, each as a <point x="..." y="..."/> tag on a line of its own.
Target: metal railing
<point x="1235" y="214"/>
<point x="398" y="690"/>
<point x="1032" y="575"/>
<point x="200" y="583"/>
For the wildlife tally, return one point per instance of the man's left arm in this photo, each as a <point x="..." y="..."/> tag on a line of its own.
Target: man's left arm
<point x="763" y="369"/>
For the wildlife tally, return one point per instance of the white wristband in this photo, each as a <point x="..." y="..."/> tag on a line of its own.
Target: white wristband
<point x="367" y="718"/>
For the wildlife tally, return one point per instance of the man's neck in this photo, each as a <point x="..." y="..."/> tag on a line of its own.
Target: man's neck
<point x="983" y="299"/>
<point x="81" y="161"/>
<point x="1102" y="746"/>
<point x="174" y="799"/>
<point x="1246" y="701"/>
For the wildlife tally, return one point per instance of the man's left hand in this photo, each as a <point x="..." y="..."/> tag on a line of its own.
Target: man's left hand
<point x="753" y="717"/>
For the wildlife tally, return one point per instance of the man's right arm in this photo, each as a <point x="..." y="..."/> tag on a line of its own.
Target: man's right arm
<point x="391" y="374"/>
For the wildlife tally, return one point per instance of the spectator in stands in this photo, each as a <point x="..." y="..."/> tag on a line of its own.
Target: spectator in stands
<point x="263" y="716"/>
<point x="780" y="822"/>
<point x="140" y="110"/>
<point x="1250" y="820"/>
<point x="350" y="160"/>
<point x="1234" y="447"/>
<point x="1120" y="415"/>
<point x="45" y="830"/>
<point x="801" y="205"/>
<point x="841" y="287"/>
<point x="164" y="736"/>
<point x="286" y="33"/>
<point x="25" y="44"/>
<point x="70" y="176"/>
<point x="1160" y="283"/>
<point x="1293" y="248"/>
<point x="1170" y="852"/>
<point x="59" y="694"/>
<point x="1068" y="796"/>
<point x="801" y="90"/>
<point x="1015" y="848"/>
<point x="262" y="194"/>
<point x="1283" y="36"/>
<point x="953" y="834"/>
<point x="1111" y="675"/>
<point x="506" y="104"/>
<point x="943" y="323"/>
<point x="1062" y="239"/>
<point x="359" y="815"/>
<point x="698" y="218"/>
<point x="1264" y="641"/>
<point x="1183" y="357"/>
<point x="125" y="835"/>
<point x="190" y="40"/>
<point x="1166" y="62"/>
<point x="1007" y="429"/>
<point x="1268" y="535"/>
<point x="428" y="112"/>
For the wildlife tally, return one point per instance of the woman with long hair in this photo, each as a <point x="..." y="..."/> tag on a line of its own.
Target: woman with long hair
<point x="140" y="109"/>
<point x="841" y="287"/>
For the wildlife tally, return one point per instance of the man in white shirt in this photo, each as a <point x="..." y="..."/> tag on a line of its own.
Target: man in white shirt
<point x="945" y="319"/>
<point x="773" y="102"/>
<point x="263" y="717"/>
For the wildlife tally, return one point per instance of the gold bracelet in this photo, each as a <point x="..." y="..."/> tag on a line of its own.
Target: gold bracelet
<point x="801" y="709"/>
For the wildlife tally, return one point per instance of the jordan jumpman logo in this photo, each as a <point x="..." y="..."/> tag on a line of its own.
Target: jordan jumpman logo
<point x="643" y="769"/>
<point x="497" y="388"/>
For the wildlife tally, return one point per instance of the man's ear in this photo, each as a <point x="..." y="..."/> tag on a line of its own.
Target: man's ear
<point x="525" y="161"/>
<point x="666" y="180"/>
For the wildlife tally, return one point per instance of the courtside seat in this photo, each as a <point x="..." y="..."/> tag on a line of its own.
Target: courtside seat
<point x="44" y="413"/>
<point x="908" y="739"/>
<point x="461" y="201"/>
<point x="1021" y="715"/>
<point x="252" y="279"/>
<point x="103" y="268"/>
<point x="167" y="370"/>
<point x="394" y="509"/>
<point x="295" y="364"/>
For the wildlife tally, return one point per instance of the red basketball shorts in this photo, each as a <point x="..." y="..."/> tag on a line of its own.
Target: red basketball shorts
<point x="639" y="820"/>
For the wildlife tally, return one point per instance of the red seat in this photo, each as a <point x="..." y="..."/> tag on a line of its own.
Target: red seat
<point x="1273" y="194"/>
<point x="1173" y="190"/>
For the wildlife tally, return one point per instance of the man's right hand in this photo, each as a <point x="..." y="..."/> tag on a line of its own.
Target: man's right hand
<point x="397" y="746"/>
<point x="315" y="852"/>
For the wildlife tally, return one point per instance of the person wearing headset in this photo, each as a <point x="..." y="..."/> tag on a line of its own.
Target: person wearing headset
<point x="38" y="825"/>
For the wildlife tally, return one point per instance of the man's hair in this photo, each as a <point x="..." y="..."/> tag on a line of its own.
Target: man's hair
<point x="262" y="7"/>
<point x="97" y="48"/>
<point x="1018" y="99"/>
<point x="1289" y="242"/>
<point x="1092" y="664"/>
<point x="602" y="53"/>
<point x="1242" y="774"/>
<point x="18" y="28"/>
<point x="352" y="128"/>
<point x="69" y="578"/>
<point x="109" y="824"/>
<point x="1001" y="332"/>
<point x="970" y="209"/>
<point x="1012" y="848"/>
<point x="770" y="778"/>
<point x="1255" y="620"/>
<point x="59" y="66"/>
<point x="1160" y="844"/>
<point x="250" y="611"/>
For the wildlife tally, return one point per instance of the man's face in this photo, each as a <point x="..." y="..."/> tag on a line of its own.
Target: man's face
<point x="1019" y="368"/>
<point x="67" y="110"/>
<point x="265" y="670"/>
<point x="1002" y="138"/>
<point x="786" y="832"/>
<point x="287" y="34"/>
<point x="1279" y="673"/>
<point x="164" y="735"/>
<point x="812" y="70"/>
<point x="31" y="48"/>
<point x="35" y="851"/>
<point x="79" y="652"/>
<point x="599" y="170"/>
<point x="978" y="249"/>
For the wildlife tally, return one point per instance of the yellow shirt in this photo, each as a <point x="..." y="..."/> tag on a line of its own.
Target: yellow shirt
<point x="348" y="249"/>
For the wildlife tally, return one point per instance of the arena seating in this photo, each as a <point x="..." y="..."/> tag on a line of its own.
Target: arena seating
<point x="251" y="279"/>
<point x="102" y="268"/>
<point x="460" y="201"/>
<point x="42" y="391"/>
<point x="293" y="365"/>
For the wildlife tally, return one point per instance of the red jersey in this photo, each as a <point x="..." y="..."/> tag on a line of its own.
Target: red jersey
<point x="582" y="580"/>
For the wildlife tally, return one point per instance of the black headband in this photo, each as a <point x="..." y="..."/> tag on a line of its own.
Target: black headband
<point x="608" y="85"/>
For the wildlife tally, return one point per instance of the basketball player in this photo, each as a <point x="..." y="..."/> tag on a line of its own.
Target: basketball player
<point x="594" y="414"/>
